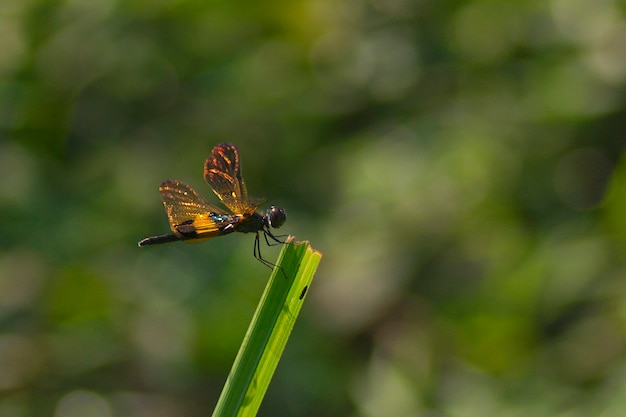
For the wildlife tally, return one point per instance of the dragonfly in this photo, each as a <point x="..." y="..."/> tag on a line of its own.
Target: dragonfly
<point x="192" y="219"/>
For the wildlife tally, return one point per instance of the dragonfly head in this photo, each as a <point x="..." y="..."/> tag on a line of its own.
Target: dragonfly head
<point x="275" y="216"/>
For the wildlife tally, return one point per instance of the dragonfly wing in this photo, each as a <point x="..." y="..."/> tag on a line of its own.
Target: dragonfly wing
<point x="222" y="171"/>
<point x="188" y="212"/>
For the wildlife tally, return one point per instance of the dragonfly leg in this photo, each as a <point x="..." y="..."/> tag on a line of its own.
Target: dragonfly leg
<point x="257" y="252"/>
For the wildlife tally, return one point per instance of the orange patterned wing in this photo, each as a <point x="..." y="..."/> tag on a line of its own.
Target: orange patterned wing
<point x="189" y="214"/>
<point x="222" y="171"/>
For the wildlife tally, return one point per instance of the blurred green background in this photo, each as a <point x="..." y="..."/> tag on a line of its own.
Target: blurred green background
<point x="459" y="163"/>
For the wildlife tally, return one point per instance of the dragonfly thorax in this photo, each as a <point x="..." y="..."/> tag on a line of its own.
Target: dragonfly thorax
<point x="251" y="224"/>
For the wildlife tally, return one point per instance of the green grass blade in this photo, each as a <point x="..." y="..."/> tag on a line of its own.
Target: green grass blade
<point x="268" y="332"/>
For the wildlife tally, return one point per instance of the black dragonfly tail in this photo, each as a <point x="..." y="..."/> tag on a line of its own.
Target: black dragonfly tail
<point x="155" y="240"/>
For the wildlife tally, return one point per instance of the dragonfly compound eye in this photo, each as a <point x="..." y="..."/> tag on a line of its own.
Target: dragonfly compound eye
<point x="276" y="216"/>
